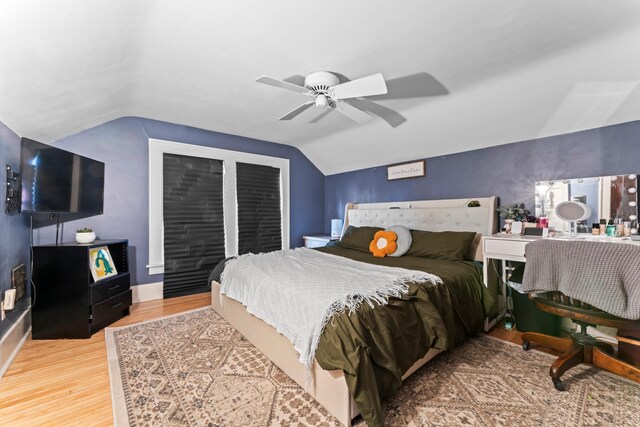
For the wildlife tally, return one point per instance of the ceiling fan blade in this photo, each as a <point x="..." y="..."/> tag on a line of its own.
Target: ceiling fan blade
<point x="366" y="86"/>
<point x="352" y="112"/>
<point x="291" y="114"/>
<point x="284" y="85"/>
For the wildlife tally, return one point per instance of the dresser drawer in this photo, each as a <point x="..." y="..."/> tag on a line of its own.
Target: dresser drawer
<point x="110" y="310"/>
<point x="512" y="248"/>
<point x="109" y="288"/>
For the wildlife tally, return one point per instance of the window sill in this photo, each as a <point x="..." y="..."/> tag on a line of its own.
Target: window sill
<point x="156" y="268"/>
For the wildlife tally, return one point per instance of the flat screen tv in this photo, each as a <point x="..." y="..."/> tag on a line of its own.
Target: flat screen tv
<point x="58" y="181"/>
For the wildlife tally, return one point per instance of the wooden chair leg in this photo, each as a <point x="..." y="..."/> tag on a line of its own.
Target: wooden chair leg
<point x="609" y="363"/>
<point x="565" y="362"/>
<point x="563" y="345"/>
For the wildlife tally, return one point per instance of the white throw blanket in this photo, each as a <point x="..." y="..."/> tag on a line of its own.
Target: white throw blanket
<point x="297" y="291"/>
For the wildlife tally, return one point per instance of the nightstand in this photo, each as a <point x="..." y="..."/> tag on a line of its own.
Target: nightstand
<point x="509" y="247"/>
<point x="502" y="247"/>
<point x="317" y="241"/>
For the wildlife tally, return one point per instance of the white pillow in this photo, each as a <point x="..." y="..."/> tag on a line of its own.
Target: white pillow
<point x="404" y="239"/>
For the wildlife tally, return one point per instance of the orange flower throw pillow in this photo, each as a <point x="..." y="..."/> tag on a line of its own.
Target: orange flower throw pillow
<point x="383" y="243"/>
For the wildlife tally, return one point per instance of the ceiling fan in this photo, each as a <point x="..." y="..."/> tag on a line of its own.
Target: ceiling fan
<point x="328" y="92"/>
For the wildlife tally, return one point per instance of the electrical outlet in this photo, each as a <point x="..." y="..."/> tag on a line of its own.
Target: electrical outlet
<point x="10" y="299"/>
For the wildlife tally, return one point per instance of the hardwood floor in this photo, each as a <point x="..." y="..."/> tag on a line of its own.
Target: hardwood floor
<point x="66" y="382"/>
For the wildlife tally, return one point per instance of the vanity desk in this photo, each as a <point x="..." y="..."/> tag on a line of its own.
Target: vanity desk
<point x="510" y="247"/>
<point x="505" y="247"/>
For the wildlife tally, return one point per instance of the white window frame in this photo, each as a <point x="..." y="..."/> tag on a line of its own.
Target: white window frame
<point x="157" y="149"/>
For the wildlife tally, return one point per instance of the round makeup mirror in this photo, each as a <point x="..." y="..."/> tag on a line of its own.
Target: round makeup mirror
<point x="572" y="212"/>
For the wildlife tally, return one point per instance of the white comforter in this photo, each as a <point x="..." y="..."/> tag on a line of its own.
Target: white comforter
<point x="298" y="291"/>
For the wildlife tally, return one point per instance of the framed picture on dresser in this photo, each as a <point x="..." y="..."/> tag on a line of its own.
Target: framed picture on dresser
<point x="101" y="263"/>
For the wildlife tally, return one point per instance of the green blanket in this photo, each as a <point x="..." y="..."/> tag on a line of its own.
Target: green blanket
<point x="376" y="346"/>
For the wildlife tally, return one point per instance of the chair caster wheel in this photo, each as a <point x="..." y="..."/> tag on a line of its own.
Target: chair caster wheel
<point x="526" y="345"/>
<point x="557" y="383"/>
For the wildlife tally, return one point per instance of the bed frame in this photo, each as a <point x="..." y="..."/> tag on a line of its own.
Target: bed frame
<point x="330" y="388"/>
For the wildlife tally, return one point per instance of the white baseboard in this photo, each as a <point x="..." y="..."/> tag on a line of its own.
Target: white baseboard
<point x="12" y="341"/>
<point x="147" y="292"/>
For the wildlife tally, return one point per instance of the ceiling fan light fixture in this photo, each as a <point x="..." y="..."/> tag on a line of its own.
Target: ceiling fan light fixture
<point x="321" y="101"/>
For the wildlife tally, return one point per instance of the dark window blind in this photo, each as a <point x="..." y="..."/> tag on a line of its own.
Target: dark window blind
<point x="193" y="223"/>
<point x="259" y="208"/>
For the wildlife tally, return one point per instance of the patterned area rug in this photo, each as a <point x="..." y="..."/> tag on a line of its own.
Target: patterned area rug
<point x="194" y="369"/>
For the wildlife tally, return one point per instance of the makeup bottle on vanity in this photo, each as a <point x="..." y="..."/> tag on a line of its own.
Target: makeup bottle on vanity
<point x="603" y="227"/>
<point x="611" y="229"/>
<point x="543" y="222"/>
<point x="595" y="229"/>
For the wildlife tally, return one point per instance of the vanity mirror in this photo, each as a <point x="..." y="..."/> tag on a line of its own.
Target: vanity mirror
<point x="609" y="197"/>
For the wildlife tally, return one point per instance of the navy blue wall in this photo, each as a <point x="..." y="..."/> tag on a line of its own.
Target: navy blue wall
<point x="123" y="145"/>
<point x="508" y="171"/>
<point x="14" y="229"/>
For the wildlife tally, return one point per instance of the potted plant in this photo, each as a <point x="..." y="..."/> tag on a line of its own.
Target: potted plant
<point x="513" y="212"/>
<point x="85" y="235"/>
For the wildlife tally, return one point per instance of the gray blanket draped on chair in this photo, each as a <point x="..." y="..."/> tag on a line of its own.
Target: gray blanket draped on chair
<point x="603" y="274"/>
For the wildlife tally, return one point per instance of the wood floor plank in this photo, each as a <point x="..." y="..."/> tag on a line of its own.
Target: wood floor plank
<point x="66" y="382"/>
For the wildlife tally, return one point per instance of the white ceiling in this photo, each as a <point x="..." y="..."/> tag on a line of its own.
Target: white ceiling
<point x="478" y="73"/>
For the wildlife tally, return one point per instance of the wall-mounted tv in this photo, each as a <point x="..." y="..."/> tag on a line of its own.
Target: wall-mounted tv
<point x="58" y="181"/>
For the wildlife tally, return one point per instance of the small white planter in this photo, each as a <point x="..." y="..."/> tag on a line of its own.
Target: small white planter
<point x="85" y="237"/>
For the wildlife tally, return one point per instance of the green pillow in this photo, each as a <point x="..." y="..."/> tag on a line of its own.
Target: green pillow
<point x="445" y="245"/>
<point x="358" y="237"/>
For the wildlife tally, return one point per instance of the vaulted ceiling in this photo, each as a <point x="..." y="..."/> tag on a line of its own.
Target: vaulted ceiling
<point x="461" y="74"/>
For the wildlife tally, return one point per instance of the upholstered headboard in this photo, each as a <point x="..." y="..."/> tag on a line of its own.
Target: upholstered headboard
<point x="431" y="215"/>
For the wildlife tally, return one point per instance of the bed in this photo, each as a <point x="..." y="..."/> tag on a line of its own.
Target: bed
<point x="330" y="386"/>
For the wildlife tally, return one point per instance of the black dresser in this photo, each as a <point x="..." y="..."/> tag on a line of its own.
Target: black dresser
<point x="69" y="303"/>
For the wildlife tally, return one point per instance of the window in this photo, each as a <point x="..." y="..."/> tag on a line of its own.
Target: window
<point x="259" y="208"/>
<point x="193" y="220"/>
<point x="157" y="149"/>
